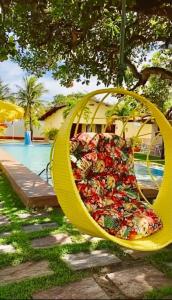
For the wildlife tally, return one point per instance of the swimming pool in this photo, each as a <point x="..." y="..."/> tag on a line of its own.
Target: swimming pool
<point x="142" y="172"/>
<point x="36" y="156"/>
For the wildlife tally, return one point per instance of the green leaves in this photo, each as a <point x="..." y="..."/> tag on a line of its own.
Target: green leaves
<point x="84" y="35"/>
<point x="29" y="97"/>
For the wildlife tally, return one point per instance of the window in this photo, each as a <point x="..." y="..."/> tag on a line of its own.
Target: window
<point x="73" y="129"/>
<point x="88" y="128"/>
<point x="98" y="128"/>
<point x="111" y="128"/>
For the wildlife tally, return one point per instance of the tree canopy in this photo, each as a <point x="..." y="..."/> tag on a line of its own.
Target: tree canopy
<point x="76" y="39"/>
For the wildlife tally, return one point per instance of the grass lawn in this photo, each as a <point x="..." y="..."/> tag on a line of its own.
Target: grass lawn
<point x="142" y="156"/>
<point x="21" y="240"/>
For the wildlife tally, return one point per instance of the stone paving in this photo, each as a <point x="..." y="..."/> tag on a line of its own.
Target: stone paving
<point x="135" y="282"/>
<point x="23" y="271"/>
<point x="4" y="220"/>
<point x="110" y="276"/>
<point x="25" y="216"/>
<point x="98" y="258"/>
<point x="7" y="248"/>
<point x="41" y="226"/>
<point x="84" y="289"/>
<point x="51" y="240"/>
<point x="5" y="234"/>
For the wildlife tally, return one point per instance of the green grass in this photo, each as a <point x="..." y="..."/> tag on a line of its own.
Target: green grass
<point x="22" y="242"/>
<point x="142" y="156"/>
<point x="62" y="274"/>
<point x="159" y="293"/>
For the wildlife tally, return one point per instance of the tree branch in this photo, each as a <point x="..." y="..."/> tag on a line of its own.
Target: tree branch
<point x="147" y="72"/>
<point x="133" y="68"/>
<point x="144" y="75"/>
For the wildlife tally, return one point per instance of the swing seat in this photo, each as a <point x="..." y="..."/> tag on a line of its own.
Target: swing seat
<point x="70" y="199"/>
<point x="103" y="169"/>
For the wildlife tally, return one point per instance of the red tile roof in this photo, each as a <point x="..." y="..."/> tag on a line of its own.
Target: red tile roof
<point x="51" y="111"/>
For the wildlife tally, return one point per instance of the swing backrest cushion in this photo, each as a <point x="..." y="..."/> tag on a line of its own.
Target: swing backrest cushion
<point x="103" y="168"/>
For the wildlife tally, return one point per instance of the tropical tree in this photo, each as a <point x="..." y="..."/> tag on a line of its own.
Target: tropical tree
<point x="158" y="90"/>
<point x="124" y="110"/>
<point x="29" y="97"/>
<point x="77" y="39"/>
<point x="5" y="92"/>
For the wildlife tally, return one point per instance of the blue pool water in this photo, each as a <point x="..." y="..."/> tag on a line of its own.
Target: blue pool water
<point x="142" y="172"/>
<point x="36" y="156"/>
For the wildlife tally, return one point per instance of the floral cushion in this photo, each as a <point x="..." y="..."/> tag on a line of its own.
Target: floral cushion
<point x="103" y="168"/>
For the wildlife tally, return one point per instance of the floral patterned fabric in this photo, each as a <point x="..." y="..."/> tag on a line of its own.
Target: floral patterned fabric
<point x="104" y="173"/>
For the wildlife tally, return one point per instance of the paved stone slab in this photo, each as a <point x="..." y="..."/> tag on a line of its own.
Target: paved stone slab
<point x="4" y="220"/>
<point x="109" y="288"/>
<point x="27" y="215"/>
<point x="7" y="248"/>
<point x="135" y="282"/>
<point x="137" y="254"/>
<point x="84" y="289"/>
<point x="89" y="238"/>
<point x="168" y="264"/>
<point x="25" y="271"/>
<point x="37" y="227"/>
<point x="51" y="240"/>
<point x="97" y="258"/>
<point x="5" y="234"/>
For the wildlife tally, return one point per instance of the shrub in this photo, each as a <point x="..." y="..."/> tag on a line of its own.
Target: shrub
<point x="51" y="133"/>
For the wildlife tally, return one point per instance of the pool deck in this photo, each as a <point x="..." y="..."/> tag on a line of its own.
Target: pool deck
<point x="149" y="189"/>
<point x="33" y="191"/>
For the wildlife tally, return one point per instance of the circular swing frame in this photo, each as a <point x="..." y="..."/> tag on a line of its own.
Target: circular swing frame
<point x="69" y="197"/>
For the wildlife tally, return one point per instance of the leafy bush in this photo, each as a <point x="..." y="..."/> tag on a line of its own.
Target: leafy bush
<point x="135" y="141"/>
<point x="51" y="133"/>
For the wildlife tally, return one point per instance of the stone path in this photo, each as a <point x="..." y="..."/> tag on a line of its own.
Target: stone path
<point x="7" y="249"/>
<point x="51" y="240"/>
<point x="92" y="239"/>
<point x="110" y="277"/>
<point x="27" y="215"/>
<point x="135" y="282"/>
<point x="5" y="234"/>
<point x="25" y="271"/>
<point x="4" y="220"/>
<point x="98" y="258"/>
<point x="84" y="289"/>
<point x="41" y="226"/>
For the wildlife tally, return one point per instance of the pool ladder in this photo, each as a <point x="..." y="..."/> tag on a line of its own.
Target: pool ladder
<point x="46" y="170"/>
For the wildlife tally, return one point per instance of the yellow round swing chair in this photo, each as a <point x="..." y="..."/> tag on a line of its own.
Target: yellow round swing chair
<point x="69" y="197"/>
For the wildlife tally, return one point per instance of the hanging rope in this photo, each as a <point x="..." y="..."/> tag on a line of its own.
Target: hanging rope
<point x="120" y="75"/>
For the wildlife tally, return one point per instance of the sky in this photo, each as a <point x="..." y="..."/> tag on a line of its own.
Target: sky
<point x="12" y="74"/>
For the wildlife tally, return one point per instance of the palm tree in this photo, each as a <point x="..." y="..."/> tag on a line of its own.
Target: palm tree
<point x="29" y="97"/>
<point x="123" y="110"/>
<point x="5" y="93"/>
